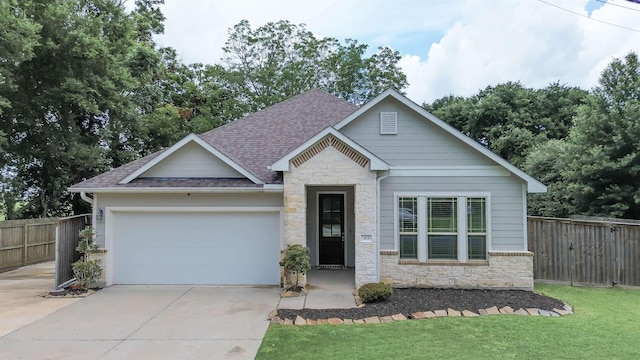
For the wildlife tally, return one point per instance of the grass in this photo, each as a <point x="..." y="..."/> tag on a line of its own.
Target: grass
<point x="606" y="325"/>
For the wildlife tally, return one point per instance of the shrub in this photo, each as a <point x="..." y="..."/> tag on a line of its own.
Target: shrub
<point x="86" y="243"/>
<point x="373" y="292"/>
<point x="87" y="273"/>
<point x="296" y="259"/>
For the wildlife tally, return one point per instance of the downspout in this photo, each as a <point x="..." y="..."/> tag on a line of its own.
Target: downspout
<point x="378" y="182"/>
<point x="90" y="200"/>
<point x="86" y="198"/>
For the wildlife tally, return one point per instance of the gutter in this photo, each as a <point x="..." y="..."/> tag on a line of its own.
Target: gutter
<point x="275" y="188"/>
<point x="378" y="182"/>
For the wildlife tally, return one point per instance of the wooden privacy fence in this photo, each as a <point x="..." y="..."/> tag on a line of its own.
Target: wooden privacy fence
<point x="24" y="242"/>
<point x="68" y="238"/>
<point x="590" y="251"/>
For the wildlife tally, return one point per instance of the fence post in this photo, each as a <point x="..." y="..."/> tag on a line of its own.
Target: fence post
<point x="571" y="247"/>
<point x="25" y="237"/>
<point x="57" y="256"/>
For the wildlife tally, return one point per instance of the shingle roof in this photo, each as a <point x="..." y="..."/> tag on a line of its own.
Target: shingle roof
<point x="255" y="141"/>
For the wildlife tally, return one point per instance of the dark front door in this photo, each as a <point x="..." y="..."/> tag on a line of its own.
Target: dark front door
<point x="331" y="222"/>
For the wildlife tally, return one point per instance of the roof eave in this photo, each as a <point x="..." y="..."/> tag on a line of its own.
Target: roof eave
<point x="166" y="190"/>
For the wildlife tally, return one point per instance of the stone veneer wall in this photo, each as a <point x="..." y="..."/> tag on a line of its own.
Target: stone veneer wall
<point x="331" y="167"/>
<point x="502" y="270"/>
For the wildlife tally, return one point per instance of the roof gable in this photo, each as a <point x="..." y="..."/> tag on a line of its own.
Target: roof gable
<point x="192" y="161"/>
<point x="155" y="163"/>
<point x="336" y="140"/>
<point x="262" y="138"/>
<point x="532" y="184"/>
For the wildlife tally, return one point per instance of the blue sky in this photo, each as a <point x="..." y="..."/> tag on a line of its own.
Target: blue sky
<point x="447" y="47"/>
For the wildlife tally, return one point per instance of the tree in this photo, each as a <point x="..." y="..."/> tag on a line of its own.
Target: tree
<point x="279" y="60"/>
<point x="18" y="37"/>
<point x="603" y="147"/>
<point x="70" y="107"/>
<point x="511" y="119"/>
<point x="546" y="162"/>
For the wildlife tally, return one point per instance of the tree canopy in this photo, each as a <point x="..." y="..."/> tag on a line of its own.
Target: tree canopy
<point x="509" y="118"/>
<point x="279" y="60"/>
<point x="603" y="150"/>
<point x="84" y="88"/>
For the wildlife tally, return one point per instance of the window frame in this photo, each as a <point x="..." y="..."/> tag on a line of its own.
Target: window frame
<point x="415" y="214"/>
<point x="463" y="234"/>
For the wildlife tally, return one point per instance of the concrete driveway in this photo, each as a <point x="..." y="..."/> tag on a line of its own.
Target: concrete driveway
<point x="150" y="322"/>
<point x="21" y="296"/>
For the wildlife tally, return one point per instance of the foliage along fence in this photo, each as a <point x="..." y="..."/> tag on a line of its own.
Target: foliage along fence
<point x="68" y="234"/>
<point x="24" y="242"/>
<point x="587" y="251"/>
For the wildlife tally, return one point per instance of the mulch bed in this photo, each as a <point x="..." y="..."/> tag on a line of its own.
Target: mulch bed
<point x="411" y="300"/>
<point x="70" y="292"/>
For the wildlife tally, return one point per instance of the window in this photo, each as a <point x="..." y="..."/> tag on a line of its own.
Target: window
<point x="442" y="230"/>
<point x="442" y="227"/>
<point x="408" y="224"/>
<point x="477" y="228"/>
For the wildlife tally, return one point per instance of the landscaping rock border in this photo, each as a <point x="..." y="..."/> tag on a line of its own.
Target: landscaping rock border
<point x="423" y="315"/>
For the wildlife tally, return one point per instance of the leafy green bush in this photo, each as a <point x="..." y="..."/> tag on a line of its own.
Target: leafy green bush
<point x="296" y="259"/>
<point x="87" y="273"/>
<point x="86" y="243"/>
<point x="373" y="292"/>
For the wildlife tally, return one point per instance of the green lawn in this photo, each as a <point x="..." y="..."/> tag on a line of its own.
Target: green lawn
<point x="606" y="325"/>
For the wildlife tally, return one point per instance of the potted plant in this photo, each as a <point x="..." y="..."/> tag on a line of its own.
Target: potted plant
<point x="86" y="271"/>
<point x="295" y="262"/>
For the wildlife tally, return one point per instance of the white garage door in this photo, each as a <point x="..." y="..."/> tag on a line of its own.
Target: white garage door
<point x="196" y="248"/>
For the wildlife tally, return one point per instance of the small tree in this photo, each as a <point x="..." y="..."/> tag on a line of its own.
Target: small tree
<point x="87" y="272"/>
<point x="296" y="259"/>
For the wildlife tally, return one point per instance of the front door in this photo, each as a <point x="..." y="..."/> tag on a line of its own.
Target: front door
<point x="331" y="243"/>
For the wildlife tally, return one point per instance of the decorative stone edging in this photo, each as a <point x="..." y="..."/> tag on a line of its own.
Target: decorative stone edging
<point x="566" y="310"/>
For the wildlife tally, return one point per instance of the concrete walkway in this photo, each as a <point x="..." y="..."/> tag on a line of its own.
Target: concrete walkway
<point x="21" y="296"/>
<point x="327" y="289"/>
<point x="150" y="322"/>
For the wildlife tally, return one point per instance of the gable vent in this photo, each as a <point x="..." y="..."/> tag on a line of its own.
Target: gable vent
<point x="330" y="141"/>
<point x="388" y="123"/>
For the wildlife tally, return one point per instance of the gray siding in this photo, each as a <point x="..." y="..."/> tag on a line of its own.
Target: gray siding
<point x="507" y="228"/>
<point x="183" y="200"/>
<point x="192" y="161"/>
<point x="418" y="142"/>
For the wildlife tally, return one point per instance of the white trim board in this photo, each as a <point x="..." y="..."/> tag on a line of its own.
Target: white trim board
<point x="450" y="171"/>
<point x="198" y="140"/>
<point x="533" y="185"/>
<point x="145" y="190"/>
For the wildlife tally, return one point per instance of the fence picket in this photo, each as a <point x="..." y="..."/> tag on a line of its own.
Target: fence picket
<point x="604" y="250"/>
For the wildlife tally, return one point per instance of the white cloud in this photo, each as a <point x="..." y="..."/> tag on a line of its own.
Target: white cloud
<point x="522" y="41"/>
<point x="479" y="43"/>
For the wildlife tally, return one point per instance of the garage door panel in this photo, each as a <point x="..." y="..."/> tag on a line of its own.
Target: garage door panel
<point x="196" y="248"/>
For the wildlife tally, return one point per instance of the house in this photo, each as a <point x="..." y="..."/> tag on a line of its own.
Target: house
<point x="386" y="188"/>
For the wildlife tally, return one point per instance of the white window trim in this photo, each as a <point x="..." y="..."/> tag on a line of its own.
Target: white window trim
<point x="422" y="222"/>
